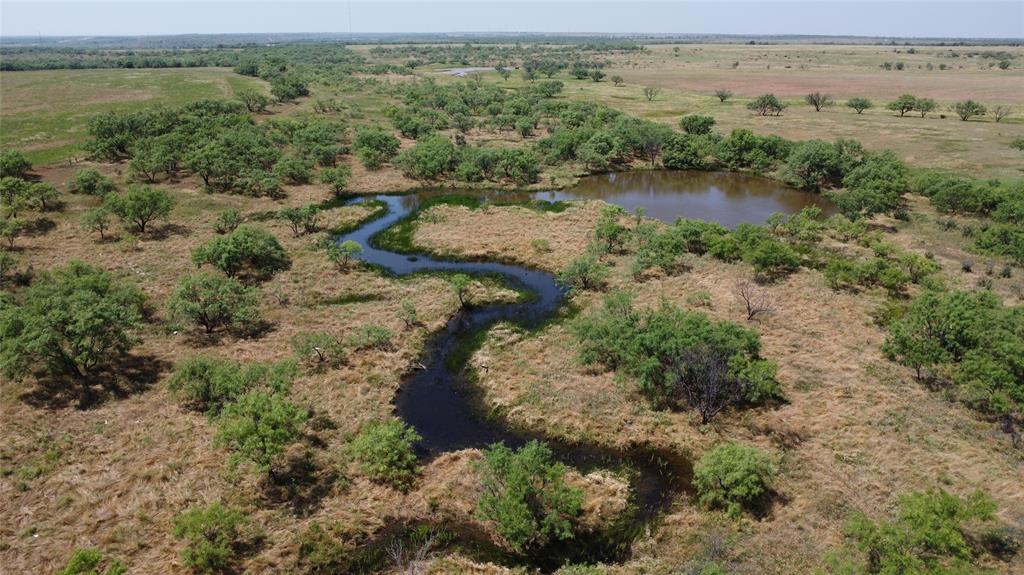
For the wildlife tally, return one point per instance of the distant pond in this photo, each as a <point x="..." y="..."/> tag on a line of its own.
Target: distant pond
<point x="726" y="197"/>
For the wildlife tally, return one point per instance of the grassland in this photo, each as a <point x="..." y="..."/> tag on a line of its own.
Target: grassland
<point x="44" y="113"/>
<point x="856" y="429"/>
<point x="688" y="79"/>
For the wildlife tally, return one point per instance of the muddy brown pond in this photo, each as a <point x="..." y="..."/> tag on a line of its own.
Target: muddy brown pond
<point x="440" y="403"/>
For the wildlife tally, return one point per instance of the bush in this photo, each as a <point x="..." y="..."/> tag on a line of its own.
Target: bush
<point x="371" y="337"/>
<point x="968" y="109"/>
<point x="97" y="220"/>
<point x="526" y="496"/>
<point x="294" y="169"/>
<point x="903" y="104"/>
<point x="813" y="165"/>
<point x="207" y="384"/>
<point x="374" y="147"/>
<point x="140" y="206"/>
<point x="384" y="450"/>
<point x="319" y="350"/>
<point x="90" y="562"/>
<point x="733" y="477"/>
<point x="859" y="104"/>
<point x="697" y="125"/>
<point x="928" y="535"/>
<point x="336" y="178"/>
<point x="974" y="337"/>
<point x="14" y="164"/>
<point x="321" y="550"/>
<point x="767" y="105"/>
<point x="213" y="301"/>
<point x="343" y="255"/>
<point x="302" y="220"/>
<point x="213" y="537"/>
<point x="584" y="273"/>
<point x="228" y="221"/>
<point x="429" y="159"/>
<point x="72" y="321"/>
<point x="678" y="358"/>
<point x="248" y="251"/>
<point x="258" y="427"/>
<point x="773" y="259"/>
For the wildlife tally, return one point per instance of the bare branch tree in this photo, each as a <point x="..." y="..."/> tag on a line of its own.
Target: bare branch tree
<point x="723" y="94"/>
<point x="818" y="100"/>
<point x="410" y="557"/>
<point x="701" y="376"/>
<point x="1001" y="112"/>
<point x="651" y="92"/>
<point x="757" y="300"/>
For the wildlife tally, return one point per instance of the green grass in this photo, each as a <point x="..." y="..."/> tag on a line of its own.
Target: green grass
<point x="45" y="113"/>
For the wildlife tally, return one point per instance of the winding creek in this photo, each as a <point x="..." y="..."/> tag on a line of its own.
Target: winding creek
<point x="441" y="406"/>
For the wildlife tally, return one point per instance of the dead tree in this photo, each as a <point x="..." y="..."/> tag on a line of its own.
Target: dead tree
<point x="410" y="556"/>
<point x="758" y="301"/>
<point x="701" y="377"/>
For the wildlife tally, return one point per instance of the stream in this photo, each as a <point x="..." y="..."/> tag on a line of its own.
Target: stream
<point x="445" y="411"/>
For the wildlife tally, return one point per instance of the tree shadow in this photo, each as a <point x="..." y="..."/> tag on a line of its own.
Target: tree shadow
<point x="128" y="375"/>
<point x="300" y="483"/>
<point x="39" y="227"/>
<point x="168" y="230"/>
<point x="199" y="338"/>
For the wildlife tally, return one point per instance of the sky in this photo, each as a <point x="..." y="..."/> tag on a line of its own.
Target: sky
<point x="903" y="18"/>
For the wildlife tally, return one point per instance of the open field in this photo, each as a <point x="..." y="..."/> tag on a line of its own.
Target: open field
<point x="689" y="78"/>
<point x="44" y="113"/>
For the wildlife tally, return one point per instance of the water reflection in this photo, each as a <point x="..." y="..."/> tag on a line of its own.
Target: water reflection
<point x="726" y="197"/>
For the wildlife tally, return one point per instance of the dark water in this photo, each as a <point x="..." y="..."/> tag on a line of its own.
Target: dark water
<point x="726" y="197"/>
<point x="441" y="406"/>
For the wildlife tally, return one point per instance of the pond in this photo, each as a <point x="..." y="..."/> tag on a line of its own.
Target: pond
<point x="726" y="197"/>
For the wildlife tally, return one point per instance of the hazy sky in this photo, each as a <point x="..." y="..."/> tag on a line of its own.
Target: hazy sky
<point x="962" y="18"/>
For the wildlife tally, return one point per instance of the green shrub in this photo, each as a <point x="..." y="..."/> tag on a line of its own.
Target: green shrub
<point x="248" y="251"/>
<point x="321" y="551"/>
<point x="584" y="273"/>
<point x="91" y="562"/>
<point x="343" y="255"/>
<point x="374" y="147"/>
<point x="73" y="321"/>
<point x="767" y="105"/>
<point x="302" y="220"/>
<point x="207" y="384"/>
<point x="930" y="534"/>
<point x="973" y="335"/>
<point x="733" y="477"/>
<point x="213" y="537"/>
<point x="213" y="301"/>
<point x="773" y="259"/>
<point x="859" y="104"/>
<point x="140" y="206"/>
<point x="526" y="496"/>
<point x="97" y="220"/>
<point x="678" y="358"/>
<point x="318" y="350"/>
<point x="384" y="450"/>
<point x="336" y="178"/>
<point x="371" y="337"/>
<point x="228" y="221"/>
<point x="14" y="164"/>
<point x="294" y="169"/>
<point x="431" y="158"/>
<point x="697" y="125"/>
<point x="258" y="427"/>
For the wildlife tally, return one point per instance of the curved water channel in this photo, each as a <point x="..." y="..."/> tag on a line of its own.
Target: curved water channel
<point x="437" y="402"/>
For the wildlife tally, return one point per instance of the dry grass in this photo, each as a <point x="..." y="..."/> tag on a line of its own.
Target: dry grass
<point x="856" y="430"/>
<point x="126" y="467"/>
